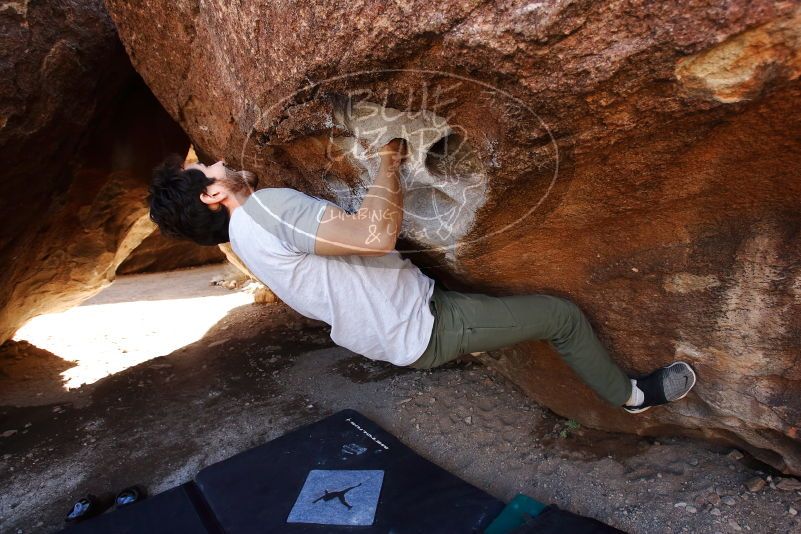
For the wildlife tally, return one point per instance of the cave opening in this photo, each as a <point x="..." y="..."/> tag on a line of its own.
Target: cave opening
<point x="137" y="318"/>
<point x="160" y="301"/>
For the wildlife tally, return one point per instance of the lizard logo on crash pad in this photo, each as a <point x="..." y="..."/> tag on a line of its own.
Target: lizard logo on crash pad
<point x="338" y="497"/>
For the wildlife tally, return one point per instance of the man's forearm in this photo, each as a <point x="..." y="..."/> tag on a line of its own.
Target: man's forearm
<point x="382" y="206"/>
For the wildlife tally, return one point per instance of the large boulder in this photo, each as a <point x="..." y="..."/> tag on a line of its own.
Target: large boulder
<point x="79" y="134"/>
<point x="639" y="158"/>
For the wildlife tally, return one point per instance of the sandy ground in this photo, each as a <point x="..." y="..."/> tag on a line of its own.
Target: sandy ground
<point x="262" y="370"/>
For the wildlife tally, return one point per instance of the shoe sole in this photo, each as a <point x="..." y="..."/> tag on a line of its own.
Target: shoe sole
<point x="636" y="410"/>
<point x="692" y="372"/>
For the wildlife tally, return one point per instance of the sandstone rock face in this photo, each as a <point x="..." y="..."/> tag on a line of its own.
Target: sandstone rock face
<point x="639" y="158"/>
<point x="159" y="253"/>
<point x="79" y="134"/>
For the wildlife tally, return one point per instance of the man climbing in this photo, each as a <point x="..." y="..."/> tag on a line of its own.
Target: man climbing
<point x="342" y="268"/>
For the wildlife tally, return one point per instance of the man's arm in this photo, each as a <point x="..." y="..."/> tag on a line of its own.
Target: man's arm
<point x="374" y="228"/>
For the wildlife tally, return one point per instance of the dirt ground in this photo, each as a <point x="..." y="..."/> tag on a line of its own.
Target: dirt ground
<point x="263" y="370"/>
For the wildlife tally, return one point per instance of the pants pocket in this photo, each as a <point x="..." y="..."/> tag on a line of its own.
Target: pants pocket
<point x="489" y="324"/>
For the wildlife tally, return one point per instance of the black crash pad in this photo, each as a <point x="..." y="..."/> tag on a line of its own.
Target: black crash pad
<point x="341" y="474"/>
<point x="261" y="489"/>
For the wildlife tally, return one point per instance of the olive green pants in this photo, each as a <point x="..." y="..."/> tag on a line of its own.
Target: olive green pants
<point x="474" y="322"/>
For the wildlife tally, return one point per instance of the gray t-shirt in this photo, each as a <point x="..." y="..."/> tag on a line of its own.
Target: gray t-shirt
<point x="377" y="306"/>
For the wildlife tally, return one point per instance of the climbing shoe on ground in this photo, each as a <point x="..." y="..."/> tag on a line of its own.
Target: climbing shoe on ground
<point x="129" y="496"/>
<point x="664" y="385"/>
<point x="86" y="507"/>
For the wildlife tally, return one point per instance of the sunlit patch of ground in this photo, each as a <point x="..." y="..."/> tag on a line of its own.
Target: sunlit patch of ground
<point x="137" y="318"/>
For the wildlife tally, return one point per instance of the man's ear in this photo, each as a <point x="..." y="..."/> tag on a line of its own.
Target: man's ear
<point x="207" y="198"/>
<point x="212" y="197"/>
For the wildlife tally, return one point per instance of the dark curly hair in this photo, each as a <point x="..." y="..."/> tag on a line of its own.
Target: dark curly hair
<point x="176" y="208"/>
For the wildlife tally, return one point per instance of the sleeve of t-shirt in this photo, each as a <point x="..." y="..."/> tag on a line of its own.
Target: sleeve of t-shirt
<point x="290" y="215"/>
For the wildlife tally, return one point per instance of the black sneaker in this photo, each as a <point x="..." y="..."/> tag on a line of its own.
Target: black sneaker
<point x="664" y="385"/>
